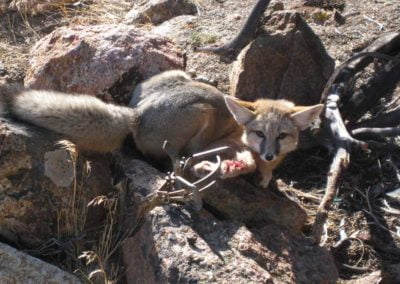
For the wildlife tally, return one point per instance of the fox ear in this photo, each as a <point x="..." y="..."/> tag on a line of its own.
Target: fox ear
<point x="303" y="116"/>
<point x="239" y="109"/>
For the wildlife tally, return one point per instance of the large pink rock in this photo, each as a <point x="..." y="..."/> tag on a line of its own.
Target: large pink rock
<point x="99" y="59"/>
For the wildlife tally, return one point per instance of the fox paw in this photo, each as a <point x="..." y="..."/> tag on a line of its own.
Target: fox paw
<point x="203" y="168"/>
<point x="232" y="168"/>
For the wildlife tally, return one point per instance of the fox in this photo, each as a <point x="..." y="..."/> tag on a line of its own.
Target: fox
<point x="192" y="116"/>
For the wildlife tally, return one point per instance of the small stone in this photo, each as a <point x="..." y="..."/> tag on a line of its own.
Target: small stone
<point x="339" y="18"/>
<point x="158" y="11"/>
<point x="277" y="6"/>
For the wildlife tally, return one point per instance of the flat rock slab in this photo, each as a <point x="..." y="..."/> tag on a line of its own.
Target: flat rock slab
<point x="177" y="246"/>
<point x="174" y="244"/>
<point x="97" y="59"/>
<point x="287" y="61"/>
<point x="19" y="267"/>
<point x="234" y="199"/>
<point x="238" y="200"/>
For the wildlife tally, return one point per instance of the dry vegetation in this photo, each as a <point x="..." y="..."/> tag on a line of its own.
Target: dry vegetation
<point x="80" y="248"/>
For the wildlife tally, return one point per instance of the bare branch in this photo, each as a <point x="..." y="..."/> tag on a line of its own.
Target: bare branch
<point x="389" y="119"/>
<point x="232" y="48"/>
<point x="340" y="162"/>
<point x="347" y="70"/>
<point x="382" y="83"/>
<point x="375" y="133"/>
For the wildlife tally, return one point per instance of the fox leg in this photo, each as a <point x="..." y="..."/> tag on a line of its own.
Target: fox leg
<point x="243" y="163"/>
<point x="266" y="168"/>
<point x="266" y="177"/>
<point x="203" y="168"/>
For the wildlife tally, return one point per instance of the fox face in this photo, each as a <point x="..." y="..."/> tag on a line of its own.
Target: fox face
<point x="271" y="127"/>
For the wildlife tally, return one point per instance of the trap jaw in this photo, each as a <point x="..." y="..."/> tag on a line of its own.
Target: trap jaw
<point x="177" y="188"/>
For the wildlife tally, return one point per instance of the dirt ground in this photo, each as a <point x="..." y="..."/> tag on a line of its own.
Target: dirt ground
<point x="362" y="214"/>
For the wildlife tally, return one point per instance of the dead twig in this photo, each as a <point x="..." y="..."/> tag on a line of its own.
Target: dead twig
<point x="389" y="119"/>
<point x="383" y="82"/>
<point x="299" y="193"/>
<point x="378" y="134"/>
<point x="350" y="67"/>
<point x="381" y="26"/>
<point x="370" y="212"/>
<point x="394" y="167"/>
<point x="339" y="163"/>
<point x="232" y="48"/>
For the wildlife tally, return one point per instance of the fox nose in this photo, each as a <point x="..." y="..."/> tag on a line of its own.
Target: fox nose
<point x="269" y="157"/>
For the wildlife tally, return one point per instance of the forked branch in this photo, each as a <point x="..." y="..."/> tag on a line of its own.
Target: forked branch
<point x="334" y="131"/>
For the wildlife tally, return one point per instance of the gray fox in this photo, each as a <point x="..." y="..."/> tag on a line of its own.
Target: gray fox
<point x="192" y="116"/>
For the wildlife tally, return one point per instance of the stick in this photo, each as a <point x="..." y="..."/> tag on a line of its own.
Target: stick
<point x="375" y="133"/>
<point x="389" y="119"/>
<point x="382" y="83"/>
<point x="232" y="48"/>
<point x="340" y="162"/>
<point x="341" y="141"/>
<point x="347" y="70"/>
<point x="381" y="26"/>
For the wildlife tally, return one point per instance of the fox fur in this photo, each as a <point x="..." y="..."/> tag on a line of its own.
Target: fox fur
<point x="190" y="115"/>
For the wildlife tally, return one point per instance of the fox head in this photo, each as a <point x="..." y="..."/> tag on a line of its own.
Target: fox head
<point x="271" y="127"/>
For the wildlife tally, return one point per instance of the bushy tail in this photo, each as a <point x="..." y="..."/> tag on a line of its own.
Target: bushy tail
<point x="87" y="121"/>
<point x="6" y="93"/>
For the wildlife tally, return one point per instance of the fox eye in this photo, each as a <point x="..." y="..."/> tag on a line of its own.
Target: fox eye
<point x="282" y="136"/>
<point x="260" y="134"/>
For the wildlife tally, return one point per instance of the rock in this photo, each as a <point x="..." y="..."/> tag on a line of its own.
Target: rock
<point x="179" y="29"/>
<point x="391" y="274"/>
<point x="326" y="4"/>
<point x="233" y="199"/>
<point x="100" y="59"/>
<point x="19" y="267"/>
<point x="174" y="244"/>
<point x="37" y="185"/>
<point x="373" y="278"/>
<point x="158" y="11"/>
<point x="178" y="246"/>
<point x="3" y="7"/>
<point x="238" y="200"/>
<point x="277" y="6"/>
<point x="287" y="62"/>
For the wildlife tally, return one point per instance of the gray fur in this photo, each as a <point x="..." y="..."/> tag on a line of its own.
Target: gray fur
<point x="86" y="120"/>
<point x="190" y="115"/>
<point x="169" y="106"/>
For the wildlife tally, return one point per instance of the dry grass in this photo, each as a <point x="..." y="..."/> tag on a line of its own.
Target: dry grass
<point x="89" y="254"/>
<point x="82" y="12"/>
<point x="97" y="12"/>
